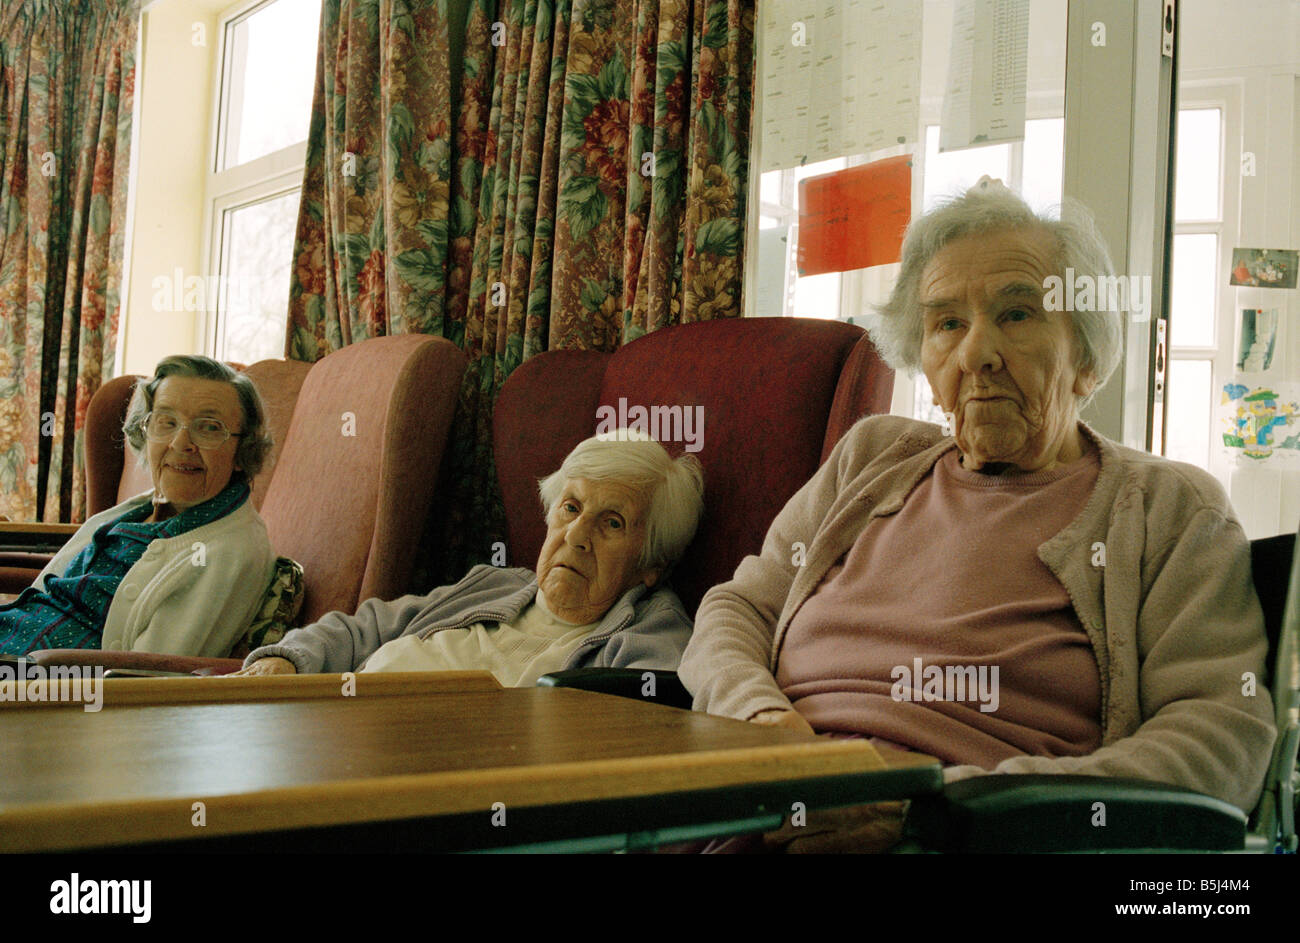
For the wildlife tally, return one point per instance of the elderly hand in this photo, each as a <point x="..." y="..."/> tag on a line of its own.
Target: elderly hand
<point x="779" y="717"/>
<point x="265" y="666"/>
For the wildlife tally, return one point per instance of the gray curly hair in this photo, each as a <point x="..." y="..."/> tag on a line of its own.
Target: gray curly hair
<point x="255" y="438"/>
<point x="896" y="327"/>
<point x="674" y="487"/>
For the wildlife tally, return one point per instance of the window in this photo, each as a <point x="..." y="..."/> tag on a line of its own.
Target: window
<point x="1033" y="167"/>
<point x="268" y="69"/>
<point x="1195" y="287"/>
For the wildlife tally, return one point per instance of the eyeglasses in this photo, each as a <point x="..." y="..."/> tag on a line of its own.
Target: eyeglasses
<point x="205" y="432"/>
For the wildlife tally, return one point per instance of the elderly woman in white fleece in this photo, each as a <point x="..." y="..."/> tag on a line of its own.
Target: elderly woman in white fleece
<point x="1017" y="593"/>
<point x="619" y="513"/>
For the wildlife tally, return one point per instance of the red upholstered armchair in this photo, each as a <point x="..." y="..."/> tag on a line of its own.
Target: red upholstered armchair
<point x="352" y="484"/>
<point x="776" y="393"/>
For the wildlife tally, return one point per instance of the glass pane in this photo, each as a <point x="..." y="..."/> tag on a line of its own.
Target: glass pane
<point x="813" y="170"/>
<point x="1191" y="314"/>
<point x="273" y="71"/>
<point x="769" y="186"/>
<point x="770" y="270"/>
<point x="255" y="290"/>
<point x="1188" y="439"/>
<point x="817" y="296"/>
<point x="1044" y="157"/>
<point x="955" y="172"/>
<point x="1196" y="180"/>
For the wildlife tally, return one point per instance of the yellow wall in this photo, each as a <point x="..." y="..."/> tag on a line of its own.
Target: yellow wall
<point x="175" y="87"/>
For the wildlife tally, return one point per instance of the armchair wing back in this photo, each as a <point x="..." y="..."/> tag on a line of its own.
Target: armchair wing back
<point x="757" y="399"/>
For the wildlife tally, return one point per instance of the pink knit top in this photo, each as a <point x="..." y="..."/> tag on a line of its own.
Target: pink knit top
<point x="942" y="631"/>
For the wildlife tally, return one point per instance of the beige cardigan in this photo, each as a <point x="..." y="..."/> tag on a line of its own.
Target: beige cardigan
<point x="1171" y="612"/>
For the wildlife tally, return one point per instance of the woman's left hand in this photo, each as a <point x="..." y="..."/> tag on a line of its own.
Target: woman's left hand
<point x="778" y="717"/>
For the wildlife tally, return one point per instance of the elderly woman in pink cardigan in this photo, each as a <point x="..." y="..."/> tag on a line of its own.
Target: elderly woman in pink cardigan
<point x="1015" y="592"/>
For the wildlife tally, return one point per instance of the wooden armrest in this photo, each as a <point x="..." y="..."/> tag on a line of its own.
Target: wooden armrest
<point x="18" y="571"/>
<point x="149" y="661"/>
<point x="34" y="538"/>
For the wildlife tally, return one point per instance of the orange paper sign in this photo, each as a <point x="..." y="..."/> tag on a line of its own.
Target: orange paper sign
<point x="854" y="218"/>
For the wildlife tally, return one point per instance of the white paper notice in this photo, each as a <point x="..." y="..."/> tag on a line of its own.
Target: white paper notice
<point x="839" y="77"/>
<point x="984" y="101"/>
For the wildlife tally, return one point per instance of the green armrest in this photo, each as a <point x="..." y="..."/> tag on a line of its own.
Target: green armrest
<point x="1049" y="813"/>
<point x="659" y="687"/>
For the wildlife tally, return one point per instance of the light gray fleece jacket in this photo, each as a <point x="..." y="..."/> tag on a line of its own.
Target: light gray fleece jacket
<point x="1172" y="614"/>
<point x="642" y="630"/>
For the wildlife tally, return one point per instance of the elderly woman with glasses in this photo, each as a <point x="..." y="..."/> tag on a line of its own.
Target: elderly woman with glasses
<point x="182" y="568"/>
<point x="1014" y="593"/>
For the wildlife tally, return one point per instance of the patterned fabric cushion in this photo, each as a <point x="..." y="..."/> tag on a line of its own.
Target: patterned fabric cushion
<point x="280" y="607"/>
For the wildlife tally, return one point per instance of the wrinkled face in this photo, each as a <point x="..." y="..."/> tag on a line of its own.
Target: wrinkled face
<point x="594" y="536"/>
<point x="999" y="363"/>
<point x="183" y="473"/>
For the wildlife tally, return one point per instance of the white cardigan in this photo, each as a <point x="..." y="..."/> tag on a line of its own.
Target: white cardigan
<point x="192" y="594"/>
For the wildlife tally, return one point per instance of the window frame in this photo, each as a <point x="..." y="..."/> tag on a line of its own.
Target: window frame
<point x="267" y="177"/>
<point x="1227" y="96"/>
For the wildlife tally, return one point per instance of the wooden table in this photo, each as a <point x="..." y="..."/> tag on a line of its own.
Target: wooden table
<point x="421" y="761"/>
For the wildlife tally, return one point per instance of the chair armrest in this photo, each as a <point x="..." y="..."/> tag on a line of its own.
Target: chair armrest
<point x="34" y="538"/>
<point x="19" y="559"/>
<point x="1048" y="813"/>
<point x="659" y="687"/>
<point x="147" y="661"/>
<point x="19" y="570"/>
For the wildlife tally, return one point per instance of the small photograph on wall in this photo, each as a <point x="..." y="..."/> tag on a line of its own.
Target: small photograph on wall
<point x="1264" y="268"/>
<point x="1256" y="334"/>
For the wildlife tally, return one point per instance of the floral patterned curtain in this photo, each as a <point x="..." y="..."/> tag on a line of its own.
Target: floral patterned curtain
<point x="598" y="193"/>
<point x="65" y="135"/>
<point x="370" y="253"/>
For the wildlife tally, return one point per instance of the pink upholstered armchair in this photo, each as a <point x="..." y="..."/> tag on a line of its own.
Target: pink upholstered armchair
<point x="351" y="487"/>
